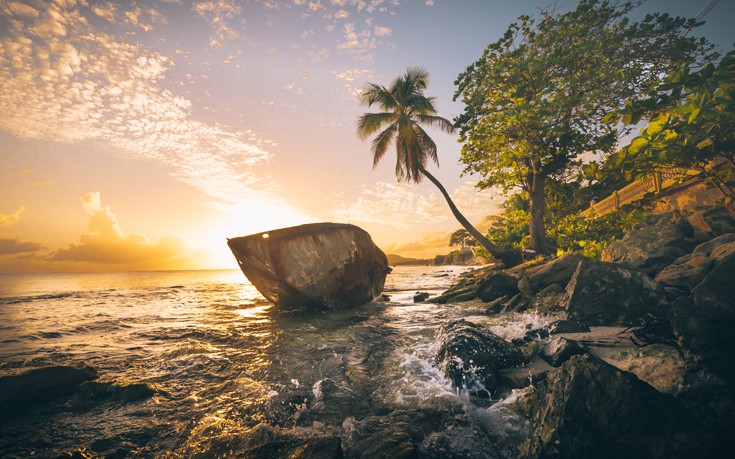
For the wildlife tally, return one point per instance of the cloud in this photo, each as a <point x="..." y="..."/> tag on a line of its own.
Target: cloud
<point x="217" y="13"/>
<point x="14" y="246"/>
<point x="383" y="31"/>
<point x="11" y="219"/>
<point x="430" y="245"/>
<point x="404" y="205"/>
<point x="63" y="81"/>
<point x="105" y="243"/>
<point x="353" y="80"/>
<point x="341" y="14"/>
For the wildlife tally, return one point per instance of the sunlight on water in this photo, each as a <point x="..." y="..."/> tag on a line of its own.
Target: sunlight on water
<point x="226" y="366"/>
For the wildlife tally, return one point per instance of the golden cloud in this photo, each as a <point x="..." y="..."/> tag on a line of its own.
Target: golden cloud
<point x="106" y="245"/>
<point x="11" y="219"/>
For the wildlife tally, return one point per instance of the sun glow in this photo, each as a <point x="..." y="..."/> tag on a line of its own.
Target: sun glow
<point x="241" y="220"/>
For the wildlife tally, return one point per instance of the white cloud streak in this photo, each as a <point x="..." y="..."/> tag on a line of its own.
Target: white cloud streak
<point x="62" y="81"/>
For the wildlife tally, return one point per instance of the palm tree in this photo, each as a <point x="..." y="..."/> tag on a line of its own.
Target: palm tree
<point x="404" y="109"/>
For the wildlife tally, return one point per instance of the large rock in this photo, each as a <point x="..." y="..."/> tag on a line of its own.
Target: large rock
<point x="19" y="393"/>
<point x="313" y="266"/>
<point x="497" y="285"/>
<point x="466" y="286"/>
<point x="558" y="271"/>
<point x="651" y="248"/>
<point x="704" y="322"/>
<point x="588" y="408"/>
<point x="471" y="356"/>
<point x="712" y="222"/>
<point x="691" y="269"/>
<point x="608" y="294"/>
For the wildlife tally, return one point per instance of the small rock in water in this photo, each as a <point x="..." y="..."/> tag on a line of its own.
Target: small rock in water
<point x="420" y="297"/>
<point x="471" y="356"/>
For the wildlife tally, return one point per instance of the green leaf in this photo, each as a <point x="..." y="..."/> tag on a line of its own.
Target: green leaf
<point x="637" y="144"/>
<point x="704" y="143"/>
<point x="693" y="115"/>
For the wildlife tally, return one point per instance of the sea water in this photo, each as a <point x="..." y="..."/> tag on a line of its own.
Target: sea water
<point x="224" y="362"/>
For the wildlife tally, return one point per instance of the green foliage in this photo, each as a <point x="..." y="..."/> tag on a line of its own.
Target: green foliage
<point x="540" y="96"/>
<point x="691" y="123"/>
<point x="462" y="238"/>
<point x="589" y="235"/>
<point x="573" y="232"/>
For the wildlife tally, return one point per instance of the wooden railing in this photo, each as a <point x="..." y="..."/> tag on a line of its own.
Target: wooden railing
<point x="636" y="190"/>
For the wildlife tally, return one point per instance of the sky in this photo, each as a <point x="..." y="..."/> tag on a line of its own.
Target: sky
<point x="140" y="135"/>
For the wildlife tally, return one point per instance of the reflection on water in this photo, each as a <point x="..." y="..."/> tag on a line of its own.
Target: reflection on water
<point x="225" y="365"/>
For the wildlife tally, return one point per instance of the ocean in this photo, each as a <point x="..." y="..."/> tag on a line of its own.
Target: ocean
<point x="225" y="365"/>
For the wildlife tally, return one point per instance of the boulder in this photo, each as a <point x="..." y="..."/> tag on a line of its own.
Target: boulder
<point x="689" y="270"/>
<point x="558" y="271"/>
<point x="21" y="392"/>
<point x="558" y="350"/>
<point x="496" y="285"/>
<point x="704" y="321"/>
<point x="465" y="288"/>
<point x="651" y="248"/>
<point x="471" y="356"/>
<point x="420" y="297"/>
<point x="314" y="266"/>
<point x="588" y="408"/>
<point x="332" y="400"/>
<point x="711" y="222"/>
<point x="608" y="294"/>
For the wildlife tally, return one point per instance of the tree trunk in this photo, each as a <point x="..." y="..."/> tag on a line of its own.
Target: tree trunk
<point x="537" y="198"/>
<point x="507" y="257"/>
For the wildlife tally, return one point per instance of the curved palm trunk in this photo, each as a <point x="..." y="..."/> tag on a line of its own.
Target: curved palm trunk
<point x="495" y="251"/>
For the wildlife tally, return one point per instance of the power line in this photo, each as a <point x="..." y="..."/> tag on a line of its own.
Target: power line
<point x="706" y="9"/>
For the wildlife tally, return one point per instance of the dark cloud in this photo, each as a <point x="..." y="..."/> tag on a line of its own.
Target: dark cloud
<point x="14" y="246"/>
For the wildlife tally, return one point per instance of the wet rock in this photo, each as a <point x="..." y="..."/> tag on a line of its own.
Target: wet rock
<point x="497" y="305"/>
<point x="557" y="271"/>
<point x="396" y="435"/>
<point x="21" y="392"/>
<point x="608" y="294"/>
<point x="518" y="303"/>
<point x="708" y="398"/>
<point x="588" y="408"/>
<point x="688" y="271"/>
<point x="94" y="392"/>
<point x="518" y="378"/>
<point x="558" y="350"/>
<point x="651" y="248"/>
<point x="712" y="222"/>
<point x="420" y="297"/>
<point x="496" y="285"/>
<point x="704" y="322"/>
<point x="567" y="326"/>
<point x="471" y="356"/>
<point x="465" y="289"/>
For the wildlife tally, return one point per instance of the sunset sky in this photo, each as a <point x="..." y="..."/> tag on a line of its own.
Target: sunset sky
<point x="139" y="135"/>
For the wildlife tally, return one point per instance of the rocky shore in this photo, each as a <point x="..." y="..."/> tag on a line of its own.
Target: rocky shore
<point x="639" y="362"/>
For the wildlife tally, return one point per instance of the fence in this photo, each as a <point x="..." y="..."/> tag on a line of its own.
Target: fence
<point x="636" y="190"/>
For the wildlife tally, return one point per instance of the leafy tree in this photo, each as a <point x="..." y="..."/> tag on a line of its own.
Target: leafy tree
<point x="405" y="109"/>
<point x="462" y="238"/>
<point x="536" y="99"/>
<point x="691" y="124"/>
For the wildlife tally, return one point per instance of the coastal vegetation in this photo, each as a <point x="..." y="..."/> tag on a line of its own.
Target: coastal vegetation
<point x="542" y="96"/>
